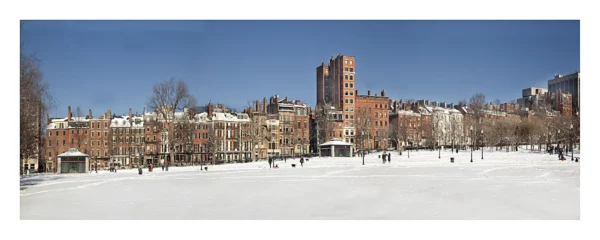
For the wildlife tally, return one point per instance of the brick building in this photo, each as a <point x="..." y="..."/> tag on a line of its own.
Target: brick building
<point x="99" y="140"/>
<point x="377" y="110"/>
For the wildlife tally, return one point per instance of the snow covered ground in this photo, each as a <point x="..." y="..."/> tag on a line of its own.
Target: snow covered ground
<point x="502" y="186"/>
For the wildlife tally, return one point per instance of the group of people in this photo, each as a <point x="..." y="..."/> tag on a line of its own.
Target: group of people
<point x="387" y="156"/>
<point x="273" y="165"/>
<point x="556" y="150"/>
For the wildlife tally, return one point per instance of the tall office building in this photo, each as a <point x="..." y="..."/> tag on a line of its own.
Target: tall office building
<point x="567" y="84"/>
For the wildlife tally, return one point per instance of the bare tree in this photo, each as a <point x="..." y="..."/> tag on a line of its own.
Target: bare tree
<point x="363" y="128"/>
<point x="476" y="103"/>
<point x="212" y="142"/>
<point x="35" y="101"/>
<point x="325" y="123"/>
<point x="399" y="129"/>
<point x="455" y="130"/>
<point x="186" y="135"/>
<point x="168" y="97"/>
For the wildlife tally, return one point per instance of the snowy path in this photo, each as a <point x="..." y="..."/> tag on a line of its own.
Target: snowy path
<point x="502" y="186"/>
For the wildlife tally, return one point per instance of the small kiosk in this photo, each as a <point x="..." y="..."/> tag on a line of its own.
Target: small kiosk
<point x="336" y="148"/>
<point x="73" y="161"/>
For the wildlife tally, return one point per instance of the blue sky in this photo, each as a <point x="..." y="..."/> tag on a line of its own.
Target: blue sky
<point x="113" y="64"/>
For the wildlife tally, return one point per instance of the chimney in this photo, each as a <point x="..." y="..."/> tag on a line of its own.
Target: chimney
<point x="256" y="104"/>
<point x="355" y="92"/>
<point x="109" y="114"/>
<point x="369" y="93"/>
<point x="90" y="114"/>
<point x="69" y="114"/>
<point x="264" y="105"/>
<point x="383" y="93"/>
<point x="209" y="109"/>
<point x="130" y="114"/>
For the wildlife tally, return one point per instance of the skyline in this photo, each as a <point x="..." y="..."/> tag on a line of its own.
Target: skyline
<point x="451" y="56"/>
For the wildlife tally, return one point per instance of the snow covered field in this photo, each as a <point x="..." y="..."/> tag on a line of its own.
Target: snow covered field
<point x="502" y="186"/>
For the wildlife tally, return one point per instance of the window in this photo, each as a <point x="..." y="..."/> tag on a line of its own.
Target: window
<point x="351" y="100"/>
<point x="376" y="125"/>
<point x="346" y="100"/>
<point x="304" y="124"/>
<point x="92" y="143"/>
<point x="98" y="142"/>
<point x="346" y="85"/>
<point x="385" y="123"/>
<point x="346" y="77"/>
<point x="49" y="133"/>
<point x="351" y="77"/>
<point x="49" y="154"/>
<point x="49" y="143"/>
<point x="350" y="61"/>
<point x="351" y="93"/>
<point x="352" y="116"/>
<point x="346" y="116"/>
<point x="351" y="85"/>
<point x="346" y="69"/>
<point x="64" y="133"/>
<point x="346" y="93"/>
<point x="346" y="109"/>
<point x="64" y="142"/>
<point x="351" y="109"/>
<point x="346" y="62"/>
<point x="351" y="69"/>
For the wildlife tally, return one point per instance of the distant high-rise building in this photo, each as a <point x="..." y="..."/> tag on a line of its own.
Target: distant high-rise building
<point x="567" y="84"/>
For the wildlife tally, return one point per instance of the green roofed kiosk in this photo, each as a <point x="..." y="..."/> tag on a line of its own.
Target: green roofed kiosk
<point x="336" y="148"/>
<point x="73" y="161"/>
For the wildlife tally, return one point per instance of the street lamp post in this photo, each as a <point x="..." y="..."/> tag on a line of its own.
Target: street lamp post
<point x="440" y="150"/>
<point x="571" y="138"/>
<point x="557" y="139"/>
<point x="362" y="135"/>
<point x="472" y="143"/>
<point x="482" y="144"/>
<point x="550" y="140"/>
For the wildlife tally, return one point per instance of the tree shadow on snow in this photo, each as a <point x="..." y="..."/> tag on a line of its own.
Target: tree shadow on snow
<point x="28" y="181"/>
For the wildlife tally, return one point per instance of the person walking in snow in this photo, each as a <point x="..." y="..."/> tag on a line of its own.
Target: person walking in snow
<point x="389" y="157"/>
<point x="270" y="161"/>
<point x="302" y="162"/>
<point x="163" y="167"/>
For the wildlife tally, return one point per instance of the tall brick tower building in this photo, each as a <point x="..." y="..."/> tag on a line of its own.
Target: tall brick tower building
<point x="336" y="84"/>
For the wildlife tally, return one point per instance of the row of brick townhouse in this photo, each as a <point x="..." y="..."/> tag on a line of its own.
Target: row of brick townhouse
<point x="282" y="127"/>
